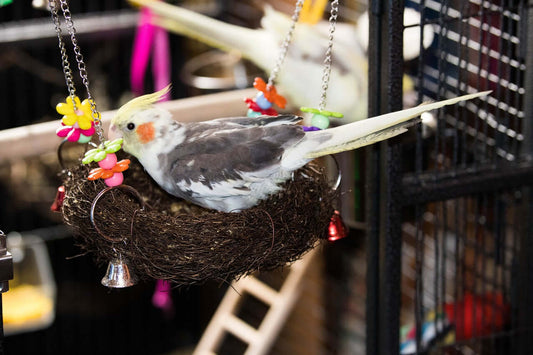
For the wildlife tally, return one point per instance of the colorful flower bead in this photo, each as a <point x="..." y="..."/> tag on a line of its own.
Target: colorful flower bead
<point x="100" y="153"/>
<point x="74" y="111"/>
<point x="75" y="133"/>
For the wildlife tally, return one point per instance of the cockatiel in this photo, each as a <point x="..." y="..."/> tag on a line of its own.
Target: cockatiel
<point x="348" y="86"/>
<point x="231" y="164"/>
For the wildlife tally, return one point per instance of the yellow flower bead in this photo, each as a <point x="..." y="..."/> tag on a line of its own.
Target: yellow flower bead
<point x="81" y="115"/>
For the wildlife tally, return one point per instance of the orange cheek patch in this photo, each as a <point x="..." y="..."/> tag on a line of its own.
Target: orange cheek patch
<point x="146" y="132"/>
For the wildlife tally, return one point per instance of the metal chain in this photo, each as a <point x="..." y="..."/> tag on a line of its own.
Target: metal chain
<point x="79" y="59"/>
<point x="327" y="62"/>
<point x="64" y="57"/>
<point x="82" y="68"/>
<point x="286" y="42"/>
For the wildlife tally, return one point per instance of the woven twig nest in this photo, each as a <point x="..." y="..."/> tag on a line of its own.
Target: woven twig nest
<point x="173" y="240"/>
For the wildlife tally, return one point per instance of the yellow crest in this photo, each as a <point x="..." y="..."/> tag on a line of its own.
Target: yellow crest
<point x="139" y="103"/>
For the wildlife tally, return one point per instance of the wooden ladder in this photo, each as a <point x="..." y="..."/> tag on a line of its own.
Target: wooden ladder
<point x="280" y="304"/>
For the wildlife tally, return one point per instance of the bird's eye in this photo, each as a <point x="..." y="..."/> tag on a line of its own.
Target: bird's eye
<point x="130" y="126"/>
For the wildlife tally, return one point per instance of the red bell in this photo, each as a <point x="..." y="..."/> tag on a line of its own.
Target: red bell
<point x="58" y="201"/>
<point x="337" y="230"/>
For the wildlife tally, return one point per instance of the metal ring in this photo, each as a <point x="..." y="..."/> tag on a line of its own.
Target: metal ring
<point x="60" y="156"/>
<point x="126" y="188"/>
<point x="339" y="174"/>
<point x="60" y="150"/>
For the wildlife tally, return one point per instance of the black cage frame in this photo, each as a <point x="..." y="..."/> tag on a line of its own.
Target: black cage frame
<point x="394" y="191"/>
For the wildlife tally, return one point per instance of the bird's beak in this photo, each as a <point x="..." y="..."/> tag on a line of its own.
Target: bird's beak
<point x="114" y="132"/>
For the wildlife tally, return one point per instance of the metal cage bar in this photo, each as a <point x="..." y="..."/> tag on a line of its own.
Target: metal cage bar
<point x="462" y="208"/>
<point x="383" y="211"/>
<point x="526" y="262"/>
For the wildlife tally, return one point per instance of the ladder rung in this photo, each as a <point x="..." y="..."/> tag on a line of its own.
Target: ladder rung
<point x="259" y="340"/>
<point x="241" y="329"/>
<point x="260" y="290"/>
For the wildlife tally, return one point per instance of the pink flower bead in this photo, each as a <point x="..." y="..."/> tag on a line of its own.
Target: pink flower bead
<point x="114" y="180"/>
<point x="74" y="133"/>
<point x="108" y="162"/>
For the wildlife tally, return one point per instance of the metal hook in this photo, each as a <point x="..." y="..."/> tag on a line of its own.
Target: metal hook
<point x="125" y="188"/>
<point x="60" y="155"/>
<point x="339" y="174"/>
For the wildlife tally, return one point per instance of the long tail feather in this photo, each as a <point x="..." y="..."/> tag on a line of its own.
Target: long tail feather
<point x="362" y="133"/>
<point x="203" y="28"/>
<point x="372" y="130"/>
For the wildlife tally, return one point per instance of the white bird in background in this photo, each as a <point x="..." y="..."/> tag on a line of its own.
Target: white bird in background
<point x="300" y="77"/>
<point x="231" y="164"/>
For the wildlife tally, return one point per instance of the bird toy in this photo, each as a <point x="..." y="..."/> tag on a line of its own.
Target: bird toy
<point x="267" y="95"/>
<point x="264" y="100"/>
<point x="211" y="200"/>
<point x="80" y="121"/>
<point x="320" y="118"/>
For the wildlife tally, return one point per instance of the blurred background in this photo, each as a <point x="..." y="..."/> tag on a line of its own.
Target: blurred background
<point x="438" y="264"/>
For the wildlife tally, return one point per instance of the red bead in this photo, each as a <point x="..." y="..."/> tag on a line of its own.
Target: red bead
<point x="58" y="201"/>
<point x="337" y="230"/>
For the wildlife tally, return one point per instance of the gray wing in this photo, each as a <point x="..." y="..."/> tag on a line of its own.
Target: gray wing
<point x="231" y="149"/>
<point x="260" y="121"/>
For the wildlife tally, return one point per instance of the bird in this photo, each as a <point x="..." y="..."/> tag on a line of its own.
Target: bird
<point x="348" y="85"/>
<point x="231" y="164"/>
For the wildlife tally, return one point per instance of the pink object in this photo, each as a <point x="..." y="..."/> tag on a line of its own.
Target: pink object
<point x="150" y="40"/>
<point x="161" y="61"/>
<point x="73" y="133"/>
<point x="114" y="180"/>
<point x="162" y="297"/>
<point x="108" y="162"/>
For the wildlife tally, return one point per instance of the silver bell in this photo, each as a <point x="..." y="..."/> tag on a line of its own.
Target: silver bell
<point x="118" y="275"/>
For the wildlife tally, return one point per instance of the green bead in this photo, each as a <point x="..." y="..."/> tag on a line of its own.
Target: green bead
<point x="113" y="146"/>
<point x="309" y="109"/>
<point x="320" y="121"/>
<point x="99" y="156"/>
<point x="84" y="139"/>
<point x="251" y="113"/>
<point x="322" y="112"/>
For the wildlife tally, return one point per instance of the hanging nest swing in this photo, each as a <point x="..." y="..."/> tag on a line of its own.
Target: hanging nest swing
<point x="165" y="238"/>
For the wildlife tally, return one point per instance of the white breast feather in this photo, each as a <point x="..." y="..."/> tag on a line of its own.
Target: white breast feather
<point x="230" y="196"/>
